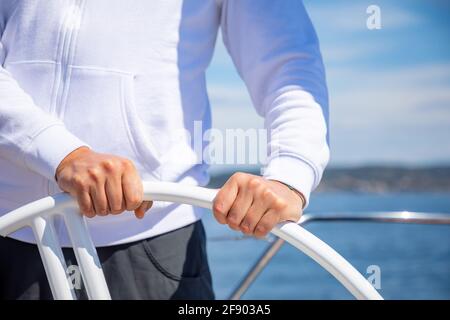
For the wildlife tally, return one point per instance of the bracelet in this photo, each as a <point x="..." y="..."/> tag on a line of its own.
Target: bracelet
<point x="302" y="197"/>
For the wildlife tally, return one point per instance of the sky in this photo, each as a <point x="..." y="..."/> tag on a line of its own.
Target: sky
<point x="389" y="88"/>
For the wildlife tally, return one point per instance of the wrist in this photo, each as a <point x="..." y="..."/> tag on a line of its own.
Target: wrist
<point x="297" y="192"/>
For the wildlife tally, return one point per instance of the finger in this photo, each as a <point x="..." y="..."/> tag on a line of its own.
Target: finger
<point x="132" y="190"/>
<point x="85" y="204"/>
<point x="224" y="200"/>
<point x="267" y="223"/>
<point x="99" y="199"/>
<point x="259" y="206"/>
<point x="114" y="194"/>
<point x="239" y="208"/>
<point x="143" y="208"/>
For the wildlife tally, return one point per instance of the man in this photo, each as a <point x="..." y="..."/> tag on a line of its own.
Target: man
<point x="93" y="97"/>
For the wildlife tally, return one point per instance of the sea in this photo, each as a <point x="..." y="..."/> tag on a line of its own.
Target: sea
<point x="403" y="261"/>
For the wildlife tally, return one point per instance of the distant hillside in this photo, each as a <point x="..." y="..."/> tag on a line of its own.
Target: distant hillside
<point x="375" y="179"/>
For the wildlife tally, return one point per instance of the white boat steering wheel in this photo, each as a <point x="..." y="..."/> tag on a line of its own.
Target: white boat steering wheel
<point x="38" y="215"/>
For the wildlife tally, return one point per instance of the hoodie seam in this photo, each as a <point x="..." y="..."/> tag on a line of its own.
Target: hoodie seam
<point x="70" y="58"/>
<point x="59" y="50"/>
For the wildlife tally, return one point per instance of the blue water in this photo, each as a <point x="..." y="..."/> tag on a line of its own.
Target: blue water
<point x="414" y="260"/>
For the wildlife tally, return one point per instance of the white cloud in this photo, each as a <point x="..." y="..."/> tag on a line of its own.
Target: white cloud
<point x="396" y="115"/>
<point x="413" y="96"/>
<point x="346" y="51"/>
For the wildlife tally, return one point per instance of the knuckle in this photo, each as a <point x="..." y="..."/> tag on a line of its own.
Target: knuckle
<point x="220" y="218"/>
<point x="94" y="173"/>
<point x="280" y="204"/>
<point x="134" y="201"/>
<point x="117" y="211"/>
<point x="254" y="183"/>
<point x="121" y="209"/>
<point x="78" y="181"/>
<point x="261" y="230"/>
<point x="116" y="208"/>
<point x="232" y="218"/>
<point x="246" y="228"/>
<point x="102" y="212"/>
<point x="127" y="164"/>
<point x="115" y="203"/>
<point x="86" y="210"/>
<point x="234" y="226"/>
<point x="238" y="176"/>
<point x="249" y="220"/>
<point x="89" y="214"/>
<point x="102" y="209"/>
<point x="218" y="208"/>
<point x="267" y="193"/>
<point x="109" y="165"/>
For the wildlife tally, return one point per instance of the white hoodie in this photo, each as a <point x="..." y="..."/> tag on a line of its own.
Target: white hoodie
<point x="126" y="77"/>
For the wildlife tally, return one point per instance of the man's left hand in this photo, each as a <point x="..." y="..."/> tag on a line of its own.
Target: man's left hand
<point x="254" y="205"/>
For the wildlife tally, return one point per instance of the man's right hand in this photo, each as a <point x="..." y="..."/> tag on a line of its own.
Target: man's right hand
<point x="102" y="183"/>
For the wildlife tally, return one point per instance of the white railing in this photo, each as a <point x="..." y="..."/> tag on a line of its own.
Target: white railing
<point x="39" y="216"/>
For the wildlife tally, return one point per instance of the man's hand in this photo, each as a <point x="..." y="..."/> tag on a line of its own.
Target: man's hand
<point x="254" y="205"/>
<point x="102" y="183"/>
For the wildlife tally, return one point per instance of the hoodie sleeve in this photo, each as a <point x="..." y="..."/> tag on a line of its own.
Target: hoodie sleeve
<point x="276" y="52"/>
<point x="28" y="135"/>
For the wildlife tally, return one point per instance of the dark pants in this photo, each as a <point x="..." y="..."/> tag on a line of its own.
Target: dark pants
<point x="169" y="266"/>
